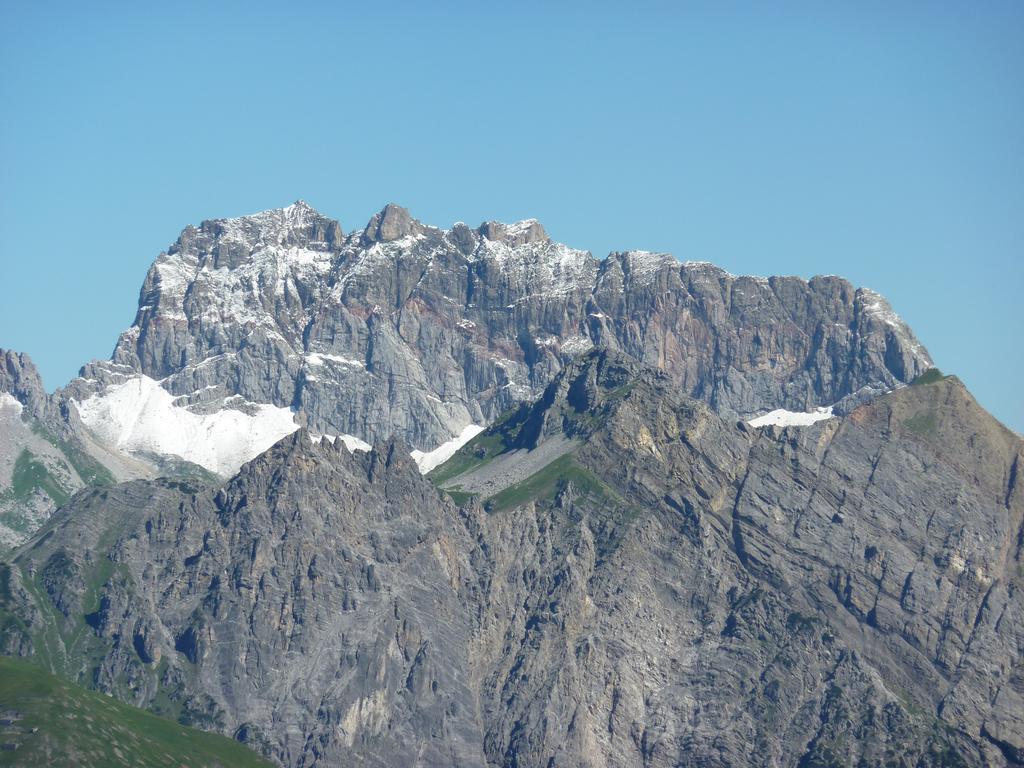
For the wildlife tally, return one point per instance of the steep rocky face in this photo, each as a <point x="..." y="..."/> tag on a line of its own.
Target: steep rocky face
<point x="249" y="328"/>
<point x="315" y="607"/>
<point x="409" y="330"/>
<point x="799" y="595"/>
<point x="638" y="581"/>
<point x="818" y="595"/>
<point x="20" y="379"/>
<point x="42" y="462"/>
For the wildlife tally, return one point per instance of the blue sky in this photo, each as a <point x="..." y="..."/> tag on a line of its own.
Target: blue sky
<point x="880" y="141"/>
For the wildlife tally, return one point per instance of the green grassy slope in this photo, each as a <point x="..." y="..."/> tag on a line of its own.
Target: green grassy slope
<point x="77" y="727"/>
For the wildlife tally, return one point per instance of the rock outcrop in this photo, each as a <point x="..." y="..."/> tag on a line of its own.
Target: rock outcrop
<point x="661" y="587"/>
<point x="249" y="328"/>
<point x="20" y="379"/>
<point x="402" y="329"/>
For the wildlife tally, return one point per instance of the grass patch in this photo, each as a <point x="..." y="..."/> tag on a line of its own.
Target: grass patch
<point x="460" y="497"/>
<point x="931" y="376"/>
<point x="90" y="470"/>
<point x="924" y="423"/>
<point x="31" y="475"/>
<point x="80" y="727"/>
<point x="500" y="437"/>
<point x="547" y="482"/>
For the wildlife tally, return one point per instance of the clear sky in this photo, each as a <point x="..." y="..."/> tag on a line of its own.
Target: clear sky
<point x="883" y="141"/>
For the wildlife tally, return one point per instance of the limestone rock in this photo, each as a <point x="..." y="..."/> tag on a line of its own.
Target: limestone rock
<point x="664" y="587"/>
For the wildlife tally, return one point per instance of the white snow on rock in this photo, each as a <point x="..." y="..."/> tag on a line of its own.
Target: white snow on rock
<point x="140" y="416"/>
<point x="876" y="308"/>
<point x="8" y="400"/>
<point x="783" y="418"/>
<point x="644" y="265"/>
<point x="435" y="458"/>
<point x="351" y="442"/>
<point x="322" y="358"/>
<point x="549" y="268"/>
<point x="520" y="227"/>
<point x="576" y="345"/>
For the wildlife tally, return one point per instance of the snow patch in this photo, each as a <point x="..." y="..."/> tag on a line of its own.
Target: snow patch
<point x="9" y="401"/>
<point x="551" y="268"/>
<point x="783" y="418"/>
<point x="351" y="442"/>
<point x="140" y="416"/>
<point x="576" y="345"/>
<point x="520" y="227"/>
<point x="321" y="358"/>
<point x="435" y="458"/>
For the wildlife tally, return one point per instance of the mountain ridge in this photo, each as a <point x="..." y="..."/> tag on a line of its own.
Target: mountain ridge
<point x="248" y="328"/>
<point x="672" y="587"/>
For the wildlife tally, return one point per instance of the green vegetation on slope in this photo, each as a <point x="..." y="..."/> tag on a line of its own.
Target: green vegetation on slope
<point x="498" y="438"/>
<point x="547" y="482"/>
<point x="30" y="476"/>
<point x="931" y="376"/>
<point x="79" y="727"/>
<point x="90" y="470"/>
<point x="924" y="423"/>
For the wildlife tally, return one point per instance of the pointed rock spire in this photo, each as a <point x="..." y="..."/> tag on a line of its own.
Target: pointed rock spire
<point x="393" y="223"/>
<point x="20" y="379"/>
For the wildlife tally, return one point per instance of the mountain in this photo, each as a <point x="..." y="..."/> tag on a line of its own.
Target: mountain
<point x="406" y="329"/>
<point x="617" y="574"/>
<point x="413" y="496"/>
<point x="248" y="328"/>
<point x="42" y="460"/>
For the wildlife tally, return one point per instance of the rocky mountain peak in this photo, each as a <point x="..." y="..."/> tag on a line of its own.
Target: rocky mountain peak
<point x="298" y="225"/>
<point x="407" y="330"/>
<point x="301" y="453"/>
<point x="392" y="223"/>
<point x="519" y="233"/>
<point x="595" y="377"/>
<point x="20" y="378"/>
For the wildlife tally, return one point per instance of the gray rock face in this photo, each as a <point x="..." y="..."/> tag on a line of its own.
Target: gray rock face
<point x="299" y="608"/>
<point x="406" y="330"/>
<point x="42" y="460"/>
<point x="20" y="379"/>
<point x="668" y="588"/>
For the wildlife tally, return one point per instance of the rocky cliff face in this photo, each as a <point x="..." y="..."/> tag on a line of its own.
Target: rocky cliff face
<point x="20" y="379"/>
<point x="249" y="328"/>
<point x="402" y="329"/>
<point x="42" y="459"/>
<point x="299" y="608"/>
<point x="631" y="580"/>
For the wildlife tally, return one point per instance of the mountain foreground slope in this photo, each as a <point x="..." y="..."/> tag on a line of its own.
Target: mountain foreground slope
<point x="49" y="721"/>
<point x="616" y="575"/>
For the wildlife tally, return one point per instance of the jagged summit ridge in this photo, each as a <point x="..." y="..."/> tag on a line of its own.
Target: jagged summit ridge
<point x="401" y="328"/>
<point x="264" y="323"/>
<point x="295" y="223"/>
